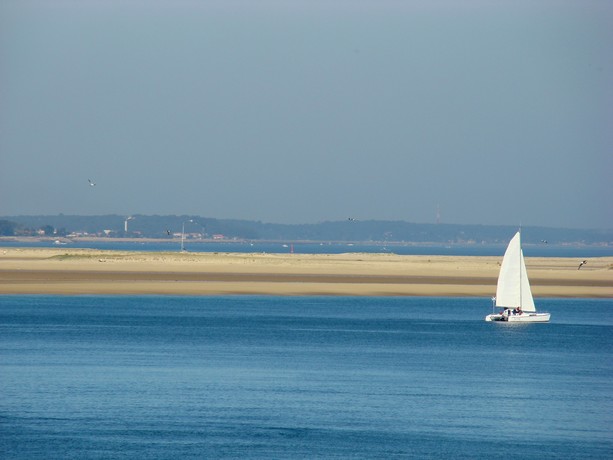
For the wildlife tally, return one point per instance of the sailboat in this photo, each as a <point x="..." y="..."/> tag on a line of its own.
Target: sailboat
<point x="513" y="292"/>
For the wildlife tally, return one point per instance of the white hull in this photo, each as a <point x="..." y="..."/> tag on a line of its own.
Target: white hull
<point x="523" y="318"/>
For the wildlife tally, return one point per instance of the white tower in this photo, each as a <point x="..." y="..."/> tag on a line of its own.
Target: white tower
<point x="125" y="224"/>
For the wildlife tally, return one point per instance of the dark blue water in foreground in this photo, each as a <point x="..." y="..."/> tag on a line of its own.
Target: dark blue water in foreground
<point x="308" y="377"/>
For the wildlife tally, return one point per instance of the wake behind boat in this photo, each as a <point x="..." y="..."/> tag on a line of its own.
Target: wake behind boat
<point x="513" y="292"/>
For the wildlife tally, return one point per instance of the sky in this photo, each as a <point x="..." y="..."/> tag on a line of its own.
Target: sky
<point x="485" y="112"/>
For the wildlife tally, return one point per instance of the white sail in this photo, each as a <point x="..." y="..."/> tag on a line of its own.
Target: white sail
<point x="513" y="289"/>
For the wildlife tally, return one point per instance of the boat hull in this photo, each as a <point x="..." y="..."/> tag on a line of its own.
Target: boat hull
<point x="494" y="318"/>
<point x="523" y="318"/>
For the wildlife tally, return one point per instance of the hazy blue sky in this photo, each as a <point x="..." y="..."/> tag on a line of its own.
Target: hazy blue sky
<point x="501" y="112"/>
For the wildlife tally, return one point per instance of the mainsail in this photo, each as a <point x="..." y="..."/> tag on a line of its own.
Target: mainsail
<point x="513" y="289"/>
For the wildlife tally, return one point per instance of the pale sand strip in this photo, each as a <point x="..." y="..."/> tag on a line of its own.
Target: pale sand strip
<point x="81" y="271"/>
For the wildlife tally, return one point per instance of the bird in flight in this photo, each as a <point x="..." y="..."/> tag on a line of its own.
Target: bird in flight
<point x="581" y="264"/>
<point x="92" y="184"/>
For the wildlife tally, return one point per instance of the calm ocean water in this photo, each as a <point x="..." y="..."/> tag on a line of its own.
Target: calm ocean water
<point x="538" y="250"/>
<point x="308" y="377"/>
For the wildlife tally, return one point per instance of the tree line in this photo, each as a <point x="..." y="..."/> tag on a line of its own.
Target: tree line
<point x="169" y="226"/>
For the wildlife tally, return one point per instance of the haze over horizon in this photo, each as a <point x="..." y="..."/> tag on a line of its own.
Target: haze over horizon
<point x="308" y="111"/>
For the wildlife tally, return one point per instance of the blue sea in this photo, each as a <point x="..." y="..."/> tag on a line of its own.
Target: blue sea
<point x="302" y="377"/>
<point x="534" y="250"/>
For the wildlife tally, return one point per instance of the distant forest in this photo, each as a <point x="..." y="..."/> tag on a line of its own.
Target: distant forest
<point x="142" y="226"/>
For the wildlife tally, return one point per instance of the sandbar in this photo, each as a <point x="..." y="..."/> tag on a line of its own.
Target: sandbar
<point x="103" y="272"/>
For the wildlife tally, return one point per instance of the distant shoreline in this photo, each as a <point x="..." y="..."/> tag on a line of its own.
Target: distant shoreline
<point x="356" y="230"/>
<point x="70" y="271"/>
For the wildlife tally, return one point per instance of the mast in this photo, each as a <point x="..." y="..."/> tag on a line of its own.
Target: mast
<point x="520" y="264"/>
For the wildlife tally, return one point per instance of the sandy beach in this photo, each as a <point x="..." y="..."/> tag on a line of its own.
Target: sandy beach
<point x="85" y="271"/>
